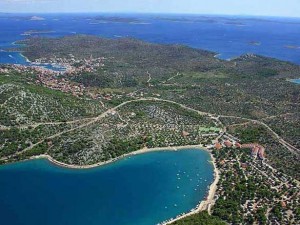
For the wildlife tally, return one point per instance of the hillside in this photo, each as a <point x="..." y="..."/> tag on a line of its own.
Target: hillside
<point x="135" y="54"/>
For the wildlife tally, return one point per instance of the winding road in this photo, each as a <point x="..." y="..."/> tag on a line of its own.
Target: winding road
<point x="89" y="121"/>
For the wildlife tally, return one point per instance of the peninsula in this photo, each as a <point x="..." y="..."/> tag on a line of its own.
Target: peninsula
<point x="118" y="96"/>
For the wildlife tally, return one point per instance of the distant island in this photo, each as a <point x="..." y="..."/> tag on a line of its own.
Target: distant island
<point x="255" y="43"/>
<point x="36" y="18"/>
<point x="31" y="32"/>
<point x="292" y="46"/>
<point x="200" y="19"/>
<point x="235" y="23"/>
<point x="113" y="19"/>
<point x="203" y="19"/>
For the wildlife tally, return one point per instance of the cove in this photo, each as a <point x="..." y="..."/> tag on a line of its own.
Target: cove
<point x="143" y="189"/>
<point x="296" y="81"/>
<point x="19" y="59"/>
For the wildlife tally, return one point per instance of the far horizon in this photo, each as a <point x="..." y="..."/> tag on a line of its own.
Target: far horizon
<point x="247" y="8"/>
<point x="149" y="14"/>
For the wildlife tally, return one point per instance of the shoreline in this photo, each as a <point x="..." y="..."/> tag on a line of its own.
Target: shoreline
<point x="27" y="60"/>
<point x="138" y="152"/>
<point x="203" y="205"/>
<point x="15" y="43"/>
<point x="294" y="80"/>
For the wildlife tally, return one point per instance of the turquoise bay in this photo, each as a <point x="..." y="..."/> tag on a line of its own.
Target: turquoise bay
<point x="296" y="81"/>
<point x="139" y="190"/>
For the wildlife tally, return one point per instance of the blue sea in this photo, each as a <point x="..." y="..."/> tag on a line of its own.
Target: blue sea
<point x="296" y="81"/>
<point x="144" y="189"/>
<point x="138" y="190"/>
<point x="228" y="36"/>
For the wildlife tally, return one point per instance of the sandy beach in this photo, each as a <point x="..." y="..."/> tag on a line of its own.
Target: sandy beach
<point x="27" y="60"/>
<point x="141" y="151"/>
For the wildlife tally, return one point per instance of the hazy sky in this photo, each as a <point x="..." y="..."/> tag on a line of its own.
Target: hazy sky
<point x="289" y="8"/>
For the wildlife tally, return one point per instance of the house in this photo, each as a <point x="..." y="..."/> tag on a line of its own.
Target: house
<point x="185" y="133"/>
<point x="238" y="145"/>
<point x="218" y="146"/>
<point x="228" y="143"/>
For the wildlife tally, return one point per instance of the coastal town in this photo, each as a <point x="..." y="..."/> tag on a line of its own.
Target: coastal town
<point x="262" y="194"/>
<point x="52" y="77"/>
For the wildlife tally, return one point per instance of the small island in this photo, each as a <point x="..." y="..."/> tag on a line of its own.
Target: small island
<point x="292" y="46"/>
<point x="113" y="19"/>
<point x="37" y="18"/>
<point x="255" y="43"/>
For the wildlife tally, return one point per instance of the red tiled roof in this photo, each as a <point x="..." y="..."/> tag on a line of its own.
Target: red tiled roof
<point x="218" y="146"/>
<point x="228" y="143"/>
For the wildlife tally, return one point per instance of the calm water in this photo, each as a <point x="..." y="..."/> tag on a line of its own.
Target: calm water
<point x="296" y="81"/>
<point x="229" y="36"/>
<point x="140" y="190"/>
<point x="17" y="58"/>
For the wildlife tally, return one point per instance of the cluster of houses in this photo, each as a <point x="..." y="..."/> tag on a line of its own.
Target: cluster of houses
<point x="72" y="65"/>
<point x="257" y="151"/>
<point x="277" y="189"/>
<point x="49" y="77"/>
<point x="287" y="196"/>
<point x="32" y="69"/>
<point x="16" y="68"/>
<point x="61" y="84"/>
<point x="4" y="70"/>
